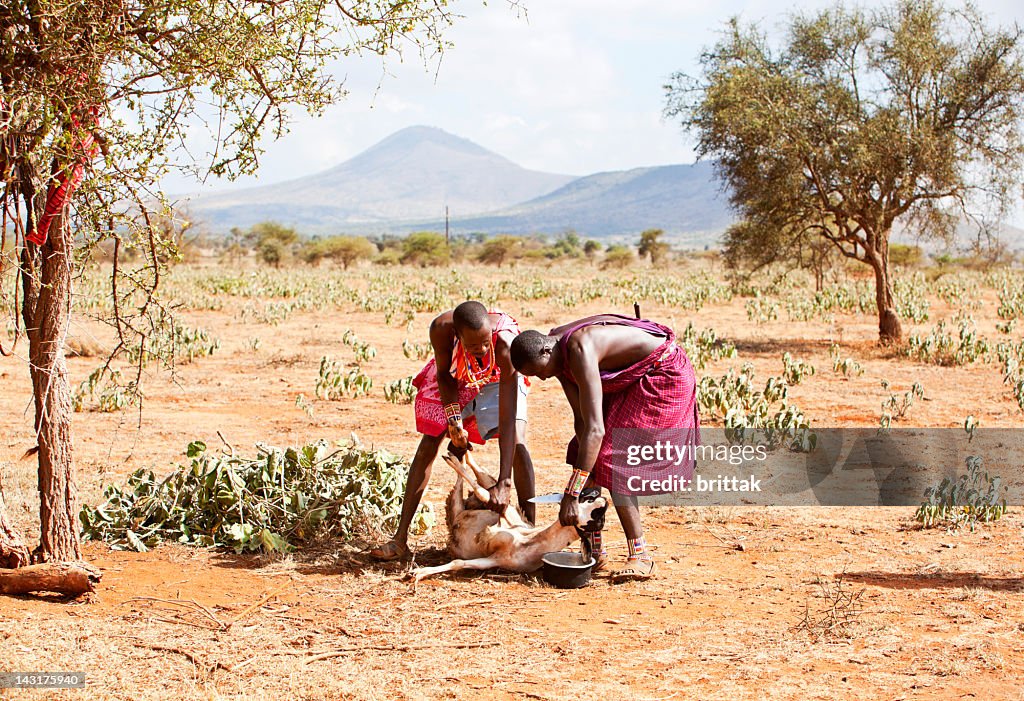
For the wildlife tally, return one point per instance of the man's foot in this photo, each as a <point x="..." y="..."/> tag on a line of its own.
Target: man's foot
<point x="390" y="551"/>
<point x="600" y="562"/>
<point x="635" y="569"/>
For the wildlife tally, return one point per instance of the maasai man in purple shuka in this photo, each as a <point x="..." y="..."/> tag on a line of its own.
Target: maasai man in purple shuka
<point x="627" y="381"/>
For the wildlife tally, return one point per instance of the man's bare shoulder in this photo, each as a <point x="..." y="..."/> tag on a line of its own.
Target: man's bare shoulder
<point x="504" y="339"/>
<point x="442" y="321"/>
<point x="442" y="334"/>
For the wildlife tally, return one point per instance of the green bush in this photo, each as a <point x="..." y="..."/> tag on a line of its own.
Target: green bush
<point x="501" y="249"/>
<point x="274" y="501"/>
<point x="425" y="248"/>
<point x="617" y="257"/>
<point x="973" y="498"/>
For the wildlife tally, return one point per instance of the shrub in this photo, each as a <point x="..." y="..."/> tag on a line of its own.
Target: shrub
<point x="896" y="406"/>
<point x="704" y="346"/>
<point x="274" y="501"/>
<point x="794" y="370"/>
<point x="416" y="351"/>
<point x="617" y="257"/>
<point x="500" y="250"/>
<point x="942" y="348"/>
<point x="973" y="498"/>
<point x="752" y="416"/>
<point x="652" y="247"/>
<point x="334" y="382"/>
<point x="400" y="391"/>
<point x="847" y="367"/>
<point x="425" y="248"/>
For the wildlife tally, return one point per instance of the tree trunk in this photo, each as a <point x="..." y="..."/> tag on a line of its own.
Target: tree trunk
<point x="47" y="311"/>
<point x="71" y="578"/>
<point x="889" y="329"/>
<point x="13" y="551"/>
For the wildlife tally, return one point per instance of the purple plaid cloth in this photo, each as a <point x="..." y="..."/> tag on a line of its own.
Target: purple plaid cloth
<point x="658" y="392"/>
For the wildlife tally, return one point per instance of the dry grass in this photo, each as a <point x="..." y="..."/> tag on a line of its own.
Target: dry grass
<point x="832" y="611"/>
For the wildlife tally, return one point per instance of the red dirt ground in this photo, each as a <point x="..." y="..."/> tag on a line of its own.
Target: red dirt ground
<point x="942" y="614"/>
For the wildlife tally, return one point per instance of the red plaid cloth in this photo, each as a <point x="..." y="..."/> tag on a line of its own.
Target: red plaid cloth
<point x="658" y="392"/>
<point x="429" y="409"/>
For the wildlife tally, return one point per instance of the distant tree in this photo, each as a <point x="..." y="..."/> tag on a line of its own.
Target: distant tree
<point x="425" y="248"/>
<point x="904" y="255"/>
<point x="347" y="249"/>
<point x="591" y="248"/>
<point x="271" y="230"/>
<point x="652" y="246"/>
<point x="312" y="251"/>
<point x="235" y="245"/>
<point x="273" y="241"/>
<point x="389" y="256"/>
<point x="272" y="252"/>
<point x="617" y="256"/>
<point x="748" y="250"/>
<point x="501" y="249"/>
<point x="567" y="245"/>
<point x="912" y="111"/>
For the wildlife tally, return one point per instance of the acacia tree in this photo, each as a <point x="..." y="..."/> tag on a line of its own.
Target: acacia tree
<point x="652" y="246"/>
<point x="96" y="99"/>
<point x="861" y="118"/>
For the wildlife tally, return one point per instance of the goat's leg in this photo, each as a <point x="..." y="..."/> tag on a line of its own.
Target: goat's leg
<point x="484" y="479"/>
<point x="510" y="517"/>
<point x="481" y="493"/>
<point x="480" y="563"/>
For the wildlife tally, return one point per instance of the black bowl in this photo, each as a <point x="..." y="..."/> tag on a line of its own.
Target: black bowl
<point x="567" y="570"/>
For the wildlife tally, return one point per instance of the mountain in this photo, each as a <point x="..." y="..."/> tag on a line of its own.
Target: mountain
<point x="684" y="200"/>
<point x="404" y="182"/>
<point x="411" y="175"/>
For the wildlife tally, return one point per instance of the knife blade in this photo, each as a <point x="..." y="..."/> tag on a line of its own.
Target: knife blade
<point x="553" y="498"/>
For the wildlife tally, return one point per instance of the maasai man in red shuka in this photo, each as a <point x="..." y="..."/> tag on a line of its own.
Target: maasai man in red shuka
<point x="619" y="375"/>
<point x="469" y="392"/>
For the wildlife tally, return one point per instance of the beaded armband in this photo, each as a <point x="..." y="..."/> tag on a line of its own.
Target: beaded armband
<point x="452" y="413"/>
<point x="576" y="482"/>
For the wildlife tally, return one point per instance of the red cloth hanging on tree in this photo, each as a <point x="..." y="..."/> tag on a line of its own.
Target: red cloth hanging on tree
<point x="63" y="185"/>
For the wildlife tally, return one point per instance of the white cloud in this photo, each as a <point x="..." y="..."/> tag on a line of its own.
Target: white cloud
<point x="575" y="87"/>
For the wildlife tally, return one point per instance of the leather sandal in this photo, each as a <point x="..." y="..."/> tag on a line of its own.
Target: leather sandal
<point x="635" y="570"/>
<point x="389" y="552"/>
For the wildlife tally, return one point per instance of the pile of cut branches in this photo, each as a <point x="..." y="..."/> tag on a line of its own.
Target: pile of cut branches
<point x="272" y="502"/>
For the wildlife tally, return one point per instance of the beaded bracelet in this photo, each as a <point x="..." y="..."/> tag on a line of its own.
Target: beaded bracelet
<point x="453" y="412"/>
<point x="576" y="483"/>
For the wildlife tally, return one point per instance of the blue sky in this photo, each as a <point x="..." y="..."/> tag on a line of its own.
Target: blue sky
<point x="574" y="86"/>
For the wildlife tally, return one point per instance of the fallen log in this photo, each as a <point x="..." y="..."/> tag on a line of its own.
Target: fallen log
<point x="70" y="578"/>
<point x="13" y="551"/>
